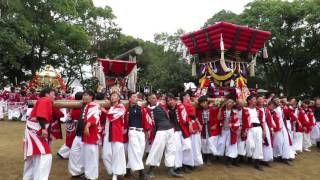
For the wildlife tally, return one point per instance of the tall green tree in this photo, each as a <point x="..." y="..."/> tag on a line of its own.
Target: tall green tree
<point x="60" y="33"/>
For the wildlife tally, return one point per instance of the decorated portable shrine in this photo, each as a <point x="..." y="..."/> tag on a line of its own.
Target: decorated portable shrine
<point x="114" y="74"/>
<point x="224" y="56"/>
<point x="47" y="77"/>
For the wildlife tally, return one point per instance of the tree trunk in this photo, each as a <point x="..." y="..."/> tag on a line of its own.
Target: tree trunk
<point x="81" y="75"/>
<point x="33" y="63"/>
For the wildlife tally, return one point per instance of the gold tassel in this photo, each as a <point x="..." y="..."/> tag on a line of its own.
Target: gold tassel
<point x="193" y="69"/>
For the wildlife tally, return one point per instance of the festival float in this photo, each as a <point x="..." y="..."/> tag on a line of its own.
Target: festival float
<point x="224" y="57"/>
<point x="47" y="77"/>
<point x="113" y="75"/>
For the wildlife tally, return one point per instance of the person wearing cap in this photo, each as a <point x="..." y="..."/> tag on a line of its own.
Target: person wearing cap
<point x="138" y="121"/>
<point x="229" y="124"/>
<point x="283" y="146"/>
<point x="90" y="137"/>
<point x="207" y="116"/>
<point x="164" y="140"/>
<point x="254" y="131"/>
<point x="196" y="129"/>
<point x="113" y="153"/>
<point x="183" y="128"/>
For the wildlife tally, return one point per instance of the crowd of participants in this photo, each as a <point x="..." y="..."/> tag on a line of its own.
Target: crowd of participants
<point x="188" y="131"/>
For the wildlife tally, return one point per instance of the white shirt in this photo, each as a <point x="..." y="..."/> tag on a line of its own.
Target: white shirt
<point x="239" y="114"/>
<point x="227" y="119"/>
<point x="253" y="115"/>
<point x="279" y="111"/>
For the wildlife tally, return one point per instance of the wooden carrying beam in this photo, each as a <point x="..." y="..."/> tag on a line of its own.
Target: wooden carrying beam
<point x="70" y="104"/>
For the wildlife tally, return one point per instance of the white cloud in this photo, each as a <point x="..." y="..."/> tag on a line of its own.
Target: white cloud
<point x="144" y="18"/>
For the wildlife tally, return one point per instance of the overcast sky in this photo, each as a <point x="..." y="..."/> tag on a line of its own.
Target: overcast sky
<point x="144" y="18"/>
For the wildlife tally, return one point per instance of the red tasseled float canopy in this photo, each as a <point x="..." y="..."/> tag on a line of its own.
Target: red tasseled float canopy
<point x="236" y="38"/>
<point x="116" y="67"/>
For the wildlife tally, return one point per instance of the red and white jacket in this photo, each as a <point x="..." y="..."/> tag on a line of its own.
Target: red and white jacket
<point x="115" y="123"/>
<point x="71" y="126"/>
<point x="183" y="120"/>
<point x="152" y="133"/>
<point x="234" y="123"/>
<point x="34" y="144"/>
<point x="191" y="115"/>
<point x="92" y="115"/>
<point x="56" y="131"/>
<point x="246" y="123"/>
<point x="311" y="120"/>
<point x="271" y="119"/>
<point x="213" y="121"/>
<point x="147" y="122"/>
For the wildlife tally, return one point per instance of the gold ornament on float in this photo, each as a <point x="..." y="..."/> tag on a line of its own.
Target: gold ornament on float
<point x="47" y="77"/>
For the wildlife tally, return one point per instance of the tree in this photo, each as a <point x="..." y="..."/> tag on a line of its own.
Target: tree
<point x="223" y="15"/>
<point x="60" y="33"/>
<point x="166" y="71"/>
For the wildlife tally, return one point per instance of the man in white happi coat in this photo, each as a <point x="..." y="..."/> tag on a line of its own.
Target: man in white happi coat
<point x="282" y="142"/>
<point x="254" y="130"/>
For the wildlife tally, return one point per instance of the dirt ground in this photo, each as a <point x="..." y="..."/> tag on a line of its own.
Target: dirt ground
<point x="306" y="166"/>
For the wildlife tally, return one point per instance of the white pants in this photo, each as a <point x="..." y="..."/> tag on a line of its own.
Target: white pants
<point x="37" y="167"/>
<point x="28" y="112"/>
<point x="1" y="109"/>
<point x="184" y="155"/>
<point x="113" y="156"/>
<point x="282" y="146"/>
<point x="64" y="151"/>
<point x="24" y="115"/>
<point x="306" y="141"/>
<point x="148" y="146"/>
<point x="267" y="149"/>
<point x="136" y="147"/>
<point x="298" y="141"/>
<point x="76" y="157"/>
<point x="209" y="145"/>
<point x="224" y="145"/>
<point x="187" y="153"/>
<point x="241" y="144"/>
<point x="196" y="149"/>
<point x="178" y="155"/>
<point x="91" y="160"/>
<point x="289" y="127"/>
<point x="163" y="141"/>
<point x="315" y="133"/>
<point x="13" y="113"/>
<point x="254" y="146"/>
